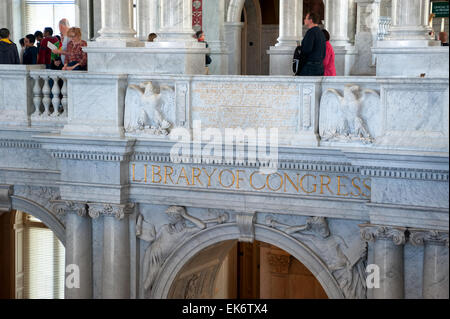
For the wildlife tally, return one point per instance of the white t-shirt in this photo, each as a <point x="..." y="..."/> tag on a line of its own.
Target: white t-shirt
<point x="64" y="48"/>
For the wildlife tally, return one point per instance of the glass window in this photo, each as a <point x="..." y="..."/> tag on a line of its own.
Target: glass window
<point x="43" y="13"/>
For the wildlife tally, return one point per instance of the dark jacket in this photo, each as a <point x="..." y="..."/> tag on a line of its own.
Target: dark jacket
<point x="314" y="45"/>
<point x="8" y="53"/>
<point x="30" y="55"/>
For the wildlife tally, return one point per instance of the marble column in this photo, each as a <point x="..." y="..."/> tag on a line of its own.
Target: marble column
<point x="116" y="249"/>
<point x="117" y="22"/>
<point x="435" y="262"/>
<point x="213" y="25"/>
<point x="148" y="18"/>
<point x="337" y="24"/>
<point x="290" y="35"/>
<point x="336" y="21"/>
<point x="368" y="15"/>
<point x="388" y="256"/>
<point x="233" y="36"/>
<point x="6" y="14"/>
<point x="78" y="247"/>
<point x="410" y="22"/>
<point x="176" y="21"/>
<point x="409" y="36"/>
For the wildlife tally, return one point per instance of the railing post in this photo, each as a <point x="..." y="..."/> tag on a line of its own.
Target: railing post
<point x="64" y="101"/>
<point x="47" y="101"/>
<point x="37" y="96"/>
<point x="56" y="101"/>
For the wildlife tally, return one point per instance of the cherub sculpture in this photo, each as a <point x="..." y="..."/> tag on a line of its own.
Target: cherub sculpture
<point x="345" y="120"/>
<point x="144" y="109"/>
<point x="163" y="241"/>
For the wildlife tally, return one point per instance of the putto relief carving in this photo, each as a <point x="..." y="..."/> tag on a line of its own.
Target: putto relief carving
<point x="353" y="115"/>
<point x="148" y="109"/>
<point x="163" y="241"/>
<point x="347" y="263"/>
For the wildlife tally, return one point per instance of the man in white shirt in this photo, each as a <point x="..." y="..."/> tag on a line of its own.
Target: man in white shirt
<point x="64" y="26"/>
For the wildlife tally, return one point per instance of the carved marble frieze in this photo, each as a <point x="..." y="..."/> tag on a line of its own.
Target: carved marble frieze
<point x="350" y="116"/>
<point x="42" y="195"/>
<point x="397" y="235"/>
<point x="119" y="212"/>
<point x="347" y="263"/>
<point x="163" y="240"/>
<point x="149" y="110"/>
<point x="420" y="237"/>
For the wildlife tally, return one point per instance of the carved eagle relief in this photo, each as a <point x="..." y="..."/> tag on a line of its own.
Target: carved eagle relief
<point x="149" y="110"/>
<point x="351" y="116"/>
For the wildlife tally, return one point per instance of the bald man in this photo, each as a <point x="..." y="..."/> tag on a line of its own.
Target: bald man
<point x="64" y="26"/>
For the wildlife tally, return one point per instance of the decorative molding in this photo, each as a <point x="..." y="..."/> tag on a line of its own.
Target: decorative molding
<point x="420" y="237"/>
<point x="279" y="264"/>
<point x="246" y="224"/>
<point x="63" y="207"/>
<point x="90" y="156"/>
<point x="372" y="233"/>
<point x="9" y="143"/>
<point x="402" y="173"/>
<point x="5" y="198"/>
<point x="110" y="210"/>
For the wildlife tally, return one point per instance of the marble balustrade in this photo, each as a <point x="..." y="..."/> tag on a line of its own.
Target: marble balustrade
<point x="300" y="108"/>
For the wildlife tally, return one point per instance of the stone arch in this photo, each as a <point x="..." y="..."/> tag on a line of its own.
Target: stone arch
<point x="204" y="239"/>
<point x="235" y="10"/>
<point x="42" y="213"/>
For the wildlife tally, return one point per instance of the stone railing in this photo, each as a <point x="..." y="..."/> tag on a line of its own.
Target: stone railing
<point x="344" y="112"/>
<point x="29" y="96"/>
<point x="384" y="25"/>
<point x="50" y="99"/>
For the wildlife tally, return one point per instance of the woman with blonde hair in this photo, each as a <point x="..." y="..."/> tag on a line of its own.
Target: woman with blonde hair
<point x="76" y="58"/>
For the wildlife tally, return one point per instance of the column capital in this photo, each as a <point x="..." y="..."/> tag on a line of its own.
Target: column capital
<point x="110" y="210"/>
<point x="63" y="207"/>
<point x="371" y="232"/>
<point x="420" y="237"/>
<point x="5" y="198"/>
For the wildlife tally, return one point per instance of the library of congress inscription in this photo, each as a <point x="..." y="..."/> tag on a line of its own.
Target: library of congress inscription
<point x="252" y="180"/>
<point x="246" y="105"/>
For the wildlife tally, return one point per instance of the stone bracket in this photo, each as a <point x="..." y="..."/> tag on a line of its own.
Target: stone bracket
<point x="246" y="224"/>
<point x="5" y="198"/>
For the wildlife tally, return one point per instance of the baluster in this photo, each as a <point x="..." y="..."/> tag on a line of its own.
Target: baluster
<point x="47" y="101"/>
<point x="37" y="96"/>
<point x="64" y="100"/>
<point x="56" y="101"/>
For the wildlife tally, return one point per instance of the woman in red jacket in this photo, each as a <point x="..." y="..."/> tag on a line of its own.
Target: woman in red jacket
<point x="328" y="62"/>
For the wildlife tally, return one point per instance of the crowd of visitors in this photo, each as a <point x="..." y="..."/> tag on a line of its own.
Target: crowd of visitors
<point x="56" y="52"/>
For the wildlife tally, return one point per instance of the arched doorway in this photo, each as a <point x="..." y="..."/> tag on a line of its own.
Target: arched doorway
<point x="192" y="268"/>
<point x="232" y="270"/>
<point x="32" y="253"/>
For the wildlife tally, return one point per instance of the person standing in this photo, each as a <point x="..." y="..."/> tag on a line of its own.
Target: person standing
<point x="76" y="58"/>
<point x="328" y="63"/>
<point x="313" y="47"/>
<point x="22" y="49"/>
<point x="31" y="52"/>
<point x="64" y="27"/>
<point x="8" y="49"/>
<point x="200" y="36"/>
<point x="39" y="37"/>
<point x="45" y="54"/>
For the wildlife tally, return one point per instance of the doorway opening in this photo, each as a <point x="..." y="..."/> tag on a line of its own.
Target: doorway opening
<point x="232" y="270"/>
<point x="32" y="259"/>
